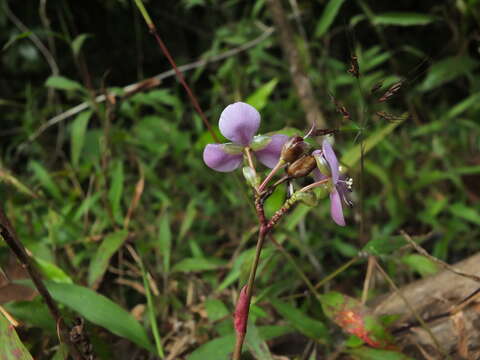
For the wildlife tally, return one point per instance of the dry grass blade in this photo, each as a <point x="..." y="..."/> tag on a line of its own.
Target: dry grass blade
<point x="444" y="265"/>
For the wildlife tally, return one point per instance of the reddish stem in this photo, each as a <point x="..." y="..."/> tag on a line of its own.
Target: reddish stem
<point x="181" y="79"/>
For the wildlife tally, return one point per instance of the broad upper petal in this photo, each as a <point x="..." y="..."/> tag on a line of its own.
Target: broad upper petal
<point x="270" y="155"/>
<point x="217" y="159"/>
<point x="239" y="122"/>
<point x="336" y="210"/>
<point x="331" y="159"/>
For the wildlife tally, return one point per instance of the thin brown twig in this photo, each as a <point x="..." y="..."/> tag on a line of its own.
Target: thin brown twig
<point x="34" y="38"/>
<point x="410" y="307"/>
<point x="443" y="264"/>
<point x="368" y="278"/>
<point x="155" y="79"/>
<point x="9" y="235"/>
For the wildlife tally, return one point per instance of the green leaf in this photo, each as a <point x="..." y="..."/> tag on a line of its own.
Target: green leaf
<point x="403" y="19"/>
<point x="384" y="245"/>
<point x="355" y="318"/>
<point x="217" y="349"/>
<point x="45" y="179"/>
<point x="116" y="190"/>
<point x="367" y="353"/>
<point x="101" y="311"/>
<point x="260" y="97"/>
<point x="52" y="271"/>
<point x="165" y="241"/>
<point x="7" y="177"/>
<point x="15" y="38"/>
<point x="187" y="222"/>
<point x="312" y="328"/>
<point x="220" y="348"/>
<point x="421" y="264"/>
<point x="462" y="211"/>
<point x="77" y="43"/>
<point x="77" y="135"/>
<point x="198" y="264"/>
<point x="33" y="313"/>
<point x="216" y="309"/>
<point x="472" y="103"/>
<point x="446" y="70"/>
<point x="11" y="346"/>
<point x="352" y="156"/>
<point x="257" y="346"/>
<point x="328" y="15"/>
<point x="62" y="83"/>
<point x="101" y="258"/>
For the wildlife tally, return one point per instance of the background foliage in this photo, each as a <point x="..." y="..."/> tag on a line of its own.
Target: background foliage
<point x="133" y="231"/>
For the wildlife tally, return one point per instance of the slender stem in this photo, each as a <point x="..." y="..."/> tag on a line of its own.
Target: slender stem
<point x="368" y="277"/>
<point x="251" y="280"/>
<point x="248" y="152"/>
<point x="296" y="267"/>
<point x="277" y="167"/>
<point x="8" y="233"/>
<point x="181" y="79"/>
<point x="410" y="307"/>
<point x="314" y="185"/>
<point x="336" y="272"/>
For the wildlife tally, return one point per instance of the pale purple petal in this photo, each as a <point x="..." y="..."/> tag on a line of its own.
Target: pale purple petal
<point x="331" y="159"/>
<point x="336" y="210"/>
<point x="239" y="122"/>
<point x="217" y="159"/>
<point x="270" y="155"/>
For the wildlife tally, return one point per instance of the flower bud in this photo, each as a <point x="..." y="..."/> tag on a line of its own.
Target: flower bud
<point x="322" y="163"/>
<point x="260" y="142"/>
<point x="232" y="148"/>
<point x="302" y="167"/>
<point x="252" y="178"/>
<point x="240" y="316"/>
<point x="293" y="149"/>
<point x="308" y="198"/>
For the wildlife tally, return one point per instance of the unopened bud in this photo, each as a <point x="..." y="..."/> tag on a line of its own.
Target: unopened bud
<point x="240" y="316"/>
<point x="293" y="149"/>
<point x="302" y="167"/>
<point x="260" y="142"/>
<point x="252" y="178"/>
<point x="308" y="197"/>
<point x="232" y="148"/>
<point x="322" y="163"/>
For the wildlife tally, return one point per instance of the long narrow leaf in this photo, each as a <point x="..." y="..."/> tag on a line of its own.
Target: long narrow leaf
<point x="101" y="311"/>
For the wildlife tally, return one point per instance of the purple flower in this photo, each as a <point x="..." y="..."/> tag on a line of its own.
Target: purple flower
<point x="238" y="123"/>
<point x="328" y="167"/>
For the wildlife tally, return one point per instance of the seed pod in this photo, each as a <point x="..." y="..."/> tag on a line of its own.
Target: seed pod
<point x="293" y="149"/>
<point x="302" y="167"/>
<point x="251" y="177"/>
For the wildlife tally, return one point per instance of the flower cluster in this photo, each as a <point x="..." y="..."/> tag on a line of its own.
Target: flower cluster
<point x="239" y="122"/>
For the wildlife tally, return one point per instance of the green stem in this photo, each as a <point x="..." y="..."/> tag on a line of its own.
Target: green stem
<point x="144" y="13"/>
<point x="336" y="272"/>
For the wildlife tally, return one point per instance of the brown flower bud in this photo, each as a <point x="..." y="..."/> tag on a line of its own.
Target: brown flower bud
<point x="302" y="167"/>
<point x="293" y="149"/>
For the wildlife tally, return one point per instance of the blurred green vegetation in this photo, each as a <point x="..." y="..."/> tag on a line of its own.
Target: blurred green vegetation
<point x="133" y="231"/>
